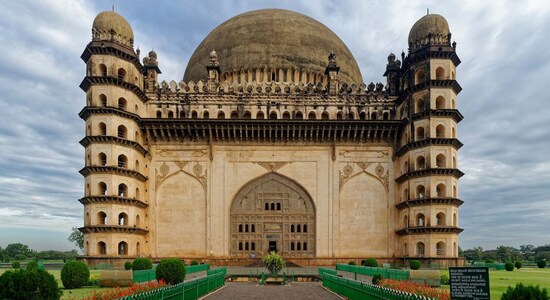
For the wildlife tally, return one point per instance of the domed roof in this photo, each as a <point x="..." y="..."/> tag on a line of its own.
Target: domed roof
<point x="273" y="38"/>
<point x="432" y="24"/>
<point x="110" y="20"/>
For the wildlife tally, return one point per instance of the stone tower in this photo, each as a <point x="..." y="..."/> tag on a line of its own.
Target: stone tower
<point x="426" y="156"/>
<point x="115" y="218"/>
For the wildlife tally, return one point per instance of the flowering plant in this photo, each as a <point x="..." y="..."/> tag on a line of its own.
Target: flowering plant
<point x="415" y="288"/>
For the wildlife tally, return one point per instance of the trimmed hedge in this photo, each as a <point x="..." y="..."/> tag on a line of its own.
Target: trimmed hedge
<point x="522" y="292"/>
<point x="171" y="270"/>
<point x="377" y="278"/>
<point x="518" y="265"/>
<point x="415" y="264"/>
<point x="29" y="285"/>
<point x="509" y="267"/>
<point x="370" y="262"/>
<point x="75" y="274"/>
<point x="128" y="265"/>
<point x="142" y="263"/>
<point x="541" y="264"/>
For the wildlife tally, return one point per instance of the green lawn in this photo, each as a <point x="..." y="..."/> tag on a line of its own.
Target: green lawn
<point x="74" y="293"/>
<point x="500" y="280"/>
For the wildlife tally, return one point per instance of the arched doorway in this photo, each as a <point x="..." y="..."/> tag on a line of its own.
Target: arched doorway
<point x="263" y="214"/>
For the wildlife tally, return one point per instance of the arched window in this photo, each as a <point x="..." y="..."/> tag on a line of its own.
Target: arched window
<point x="234" y="115"/>
<point x="305" y="228"/>
<point x="439" y="73"/>
<point x="286" y="115"/>
<point x="122" y="248"/>
<point x="305" y="246"/>
<point x="253" y="246"/>
<point x="246" y="246"/>
<point x="122" y="103"/>
<point x="406" y="167"/>
<point x="121" y="74"/>
<point x="440" y="103"/>
<point x="267" y="206"/>
<point x="122" y="190"/>
<point x="420" y="249"/>
<point x="440" y="189"/>
<point x="420" y="163"/>
<point x="291" y="246"/>
<point x="136" y="109"/>
<point x="102" y="100"/>
<point x="122" y="132"/>
<point x="137" y="165"/>
<point x="138" y="249"/>
<point x="440" y="131"/>
<point x="138" y="221"/>
<point x="137" y="193"/>
<point x="455" y="220"/>
<point x="440" y="161"/>
<point x="247" y="115"/>
<point x="102" y="159"/>
<point x="454" y="191"/>
<point x="252" y="228"/>
<point x="298" y="115"/>
<point x="272" y="206"/>
<point x="87" y="220"/>
<point x="205" y="115"/>
<point x="245" y="227"/>
<point x="171" y="114"/>
<point x="240" y="246"/>
<point x="87" y="189"/>
<point x="298" y="246"/>
<point x="273" y="115"/>
<point x="122" y="161"/>
<point x="351" y="115"/>
<point x="123" y="219"/>
<point x="339" y="116"/>
<point x="194" y="115"/>
<point x="420" y="133"/>
<point x="452" y="75"/>
<point x="406" y="221"/>
<point x="298" y="228"/>
<point x="373" y="116"/>
<point x="440" y="219"/>
<point x="420" y="220"/>
<point x="386" y="116"/>
<point x="453" y="132"/>
<point x="453" y="104"/>
<point x="420" y="76"/>
<point x="240" y="227"/>
<point x="406" y="194"/>
<point x="454" y="162"/>
<point x="260" y="115"/>
<point x="102" y="129"/>
<point x="420" y="192"/>
<point x="102" y="70"/>
<point x="312" y="115"/>
<point x="324" y="115"/>
<point x="182" y="114"/>
<point x="102" y="218"/>
<point x="420" y="105"/>
<point x="101" y="248"/>
<point x="362" y="115"/>
<point x="278" y="205"/>
<point x="102" y="187"/>
<point x="291" y="227"/>
<point x="87" y="249"/>
<point x="159" y="114"/>
<point x="440" y="248"/>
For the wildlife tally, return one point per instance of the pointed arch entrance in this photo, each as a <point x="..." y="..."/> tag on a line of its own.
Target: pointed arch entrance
<point x="272" y="213"/>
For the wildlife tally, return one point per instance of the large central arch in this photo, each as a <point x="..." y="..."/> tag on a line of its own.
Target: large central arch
<point x="272" y="213"/>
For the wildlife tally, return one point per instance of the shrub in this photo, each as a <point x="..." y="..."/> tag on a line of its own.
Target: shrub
<point x="489" y="261"/>
<point x="518" y="265"/>
<point x="171" y="270"/>
<point x="142" y="263"/>
<point x="194" y="263"/>
<point x="75" y="274"/>
<point x="351" y="263"/>
<point x="377" y="278"/>
<point x="414" y="264"/>
<point x="273" y="262"/>
<point x="32" y="266"/>
<point x="128" y="265"/>
<point x="522" y="292"/>
<point x="16" y="265"/>
<point x="509" y="266"/>
<point x="445" y="279"/>
<point x="29" y="285"/>
<point x="370" y="262"/>
<point x="541" y="264"/>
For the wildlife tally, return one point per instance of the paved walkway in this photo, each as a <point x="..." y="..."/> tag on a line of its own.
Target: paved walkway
<point x="292" y="291"/>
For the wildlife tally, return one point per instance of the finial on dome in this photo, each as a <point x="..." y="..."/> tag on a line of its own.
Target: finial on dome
<point x="113" y="7"/>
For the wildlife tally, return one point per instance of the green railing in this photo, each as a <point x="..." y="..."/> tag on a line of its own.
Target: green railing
<point x="144" y="276"/>
<point x="222" y="270"/>
<point x="328" y="271"/>
<point x="191" y="290"/>
<point x="494" y="266"/>
<point x="370" y="271"/>
<point x="196" y="268"/>
<point x="353" y="290"/>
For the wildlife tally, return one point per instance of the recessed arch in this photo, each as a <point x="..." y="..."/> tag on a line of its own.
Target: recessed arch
<point x="419" y="76"/>
<point x="102" y="157"/>
<point x="234" y="115"/>
<point x="420" y="163"/>
<point x="123" y="219"/>
<point x="121" y="74"/>
<point x="122" y="190"/>
<point x="206" y="115"/>
<point x="122" y="132"/>
<point x="362" y="115"/>
<point x="420" y="220"/>
<point x="440" y="131"/>
<point x="102" y="70"/>
<point x="101" y="248"/>
<point x="101" y="218"/>
<point x="102" y="100"/>
<point x="221" y="114"/>
<point x="439" y="73"/>
<point x="440" y="249"/>
<point x="312" y="115"/>
<point x="286" y="115"/>
<point x="441" y="161"/>
<point x="325" y="115"/>
<point x="260" y="115"/>
<point x="420" y="191"/>
<point x="102" y="129"/>
<point x="440" y="102"/>
<point x="273" y="115"/>
<point x="122" y="103"/>
<point x="298" y="115"/>
<point x="420" y="249"/>
<point x="122" y="248"/>
<point x="420" y="133"/>
<point x="440" y="219"/>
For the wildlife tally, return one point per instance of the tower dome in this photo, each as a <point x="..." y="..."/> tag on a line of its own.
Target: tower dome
<point x="432" y="26"/>
<point x="273" y="41"/>
<point x="109" y="25"/>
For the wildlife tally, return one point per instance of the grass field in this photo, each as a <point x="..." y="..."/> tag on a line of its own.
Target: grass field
<point x="500" y="280"/>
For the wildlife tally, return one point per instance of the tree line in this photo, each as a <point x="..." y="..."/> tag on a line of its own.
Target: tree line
<point x="508" y="254"/>
<point x="19" y="251"/>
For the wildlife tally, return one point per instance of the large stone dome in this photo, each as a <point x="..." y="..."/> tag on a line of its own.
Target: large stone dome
<point x="110" y="25"/>
<point x="432" y="25"/>
<point x="273" y="39"/>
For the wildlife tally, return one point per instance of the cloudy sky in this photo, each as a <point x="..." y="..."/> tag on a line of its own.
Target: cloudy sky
<point x="505" y="75"/>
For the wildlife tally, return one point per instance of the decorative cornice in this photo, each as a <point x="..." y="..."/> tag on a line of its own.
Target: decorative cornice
<point x="87" y="111"/>
<point x="429" y="201"/>
<point x="113" y="49"/>
<point x="113" y="200"/>
<point x="429" y="172"/>
<point x="455" y="143"/>
<point x="113" y="229"/>
<point x="112" y="170"/>
<point x="427" y="84"/>
<point x="430" y="52"/>
<point x="107" y="139"/>
<point x="428" y="230"/>
<point x="453" y="113"/>
<point x="88" y="81"/>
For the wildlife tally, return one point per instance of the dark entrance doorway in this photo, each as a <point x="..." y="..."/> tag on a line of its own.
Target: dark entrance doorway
<point x="272" y="246"/>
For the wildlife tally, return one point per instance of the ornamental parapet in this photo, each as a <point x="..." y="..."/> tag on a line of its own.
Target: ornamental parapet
<point x="429" y="201"/>
<point x="86" y="171"/>
<point x="88" y="81"/>
<point x="107" y="139"/>
<point x="114" y="49"/>
<point x="113" y="229"/>
<point x="429" y="172"/>
<point x="455" y="143"/>
<point x="428" y="230"/>
<point x="437" y="83"/>
<point x="113" y="200"/>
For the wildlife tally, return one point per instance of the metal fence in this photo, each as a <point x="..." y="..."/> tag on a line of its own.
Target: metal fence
<point x="353" y="290"/>
<point x="196" y="268"/>
<point x="148" y="275"/>
<point x="188" y="290"/>
<point x="370" y="271"/>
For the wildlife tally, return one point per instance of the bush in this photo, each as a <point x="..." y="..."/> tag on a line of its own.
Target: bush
<point x="522" y="292"/>
<point x="518" y="265"/>
<point x="351" y="263"/>
<point x="16" y="265"/>
<point x="415" y="264"/>
<point x="273" y="262"/>
<point x="541" y="264"/>
<point x="32" y="265"/>
<point x="194" y="263"/>
<point x="142" y="263"/>
<point x="489" y="261"/>
<point x="171" y="270"/>
<point x="377" y="278"/>
<point x="509" y="266"/>
<point x="369" y="262"/>
<point x="445" y="279"/>
<point x="29" y="285"/>
<point x="75" y="274"/>
<point x="128" y="265"/>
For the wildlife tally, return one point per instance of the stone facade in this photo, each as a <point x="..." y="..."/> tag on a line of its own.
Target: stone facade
<point x="227" y="167"/>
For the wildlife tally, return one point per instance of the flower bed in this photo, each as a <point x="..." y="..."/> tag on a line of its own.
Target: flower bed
<point x="118" y="292"/>
<point x="415" y="288"/>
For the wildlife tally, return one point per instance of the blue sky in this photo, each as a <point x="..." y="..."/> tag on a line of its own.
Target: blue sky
<point x="505" y="75"/>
